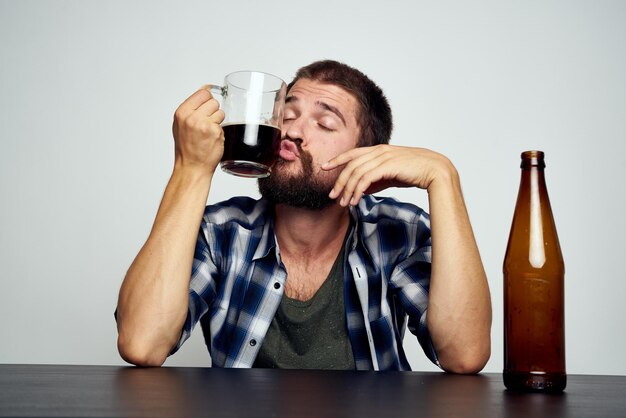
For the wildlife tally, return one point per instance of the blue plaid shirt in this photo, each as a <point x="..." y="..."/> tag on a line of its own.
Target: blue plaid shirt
<point x="237" y="281"/>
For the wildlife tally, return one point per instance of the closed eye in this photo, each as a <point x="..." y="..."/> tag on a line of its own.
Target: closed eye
<point x="327" y="123"/>
<point x="289" y="114"/>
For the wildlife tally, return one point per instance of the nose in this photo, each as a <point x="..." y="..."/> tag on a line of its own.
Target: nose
<point x="293" y="130"/>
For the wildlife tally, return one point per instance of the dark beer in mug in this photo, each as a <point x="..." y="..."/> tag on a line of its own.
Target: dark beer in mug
<point x="250" y="149"/>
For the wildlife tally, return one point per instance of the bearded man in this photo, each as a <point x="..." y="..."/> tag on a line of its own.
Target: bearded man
<point x="318" y="273"/>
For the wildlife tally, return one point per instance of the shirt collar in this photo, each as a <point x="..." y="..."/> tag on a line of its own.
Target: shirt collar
<point x="268" y="239"/>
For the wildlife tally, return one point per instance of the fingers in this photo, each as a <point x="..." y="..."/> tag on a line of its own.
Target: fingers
<point x="364" y="167"/>
<point x="197" y="132"/>
<point x="359" y="182"/>
<point x="199" y="109"/>
<point x="194" y="102"/>
<point x="345" y="157"/>
<point x="210" y="108"/>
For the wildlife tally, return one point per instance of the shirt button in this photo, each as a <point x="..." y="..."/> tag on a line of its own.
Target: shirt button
<point x="252" y="342"/>
<point x="276" y="285"/>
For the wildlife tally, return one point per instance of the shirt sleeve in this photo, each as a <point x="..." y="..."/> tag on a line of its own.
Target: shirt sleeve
<point x="202" y="286"/>
<point x="411" y="278"/>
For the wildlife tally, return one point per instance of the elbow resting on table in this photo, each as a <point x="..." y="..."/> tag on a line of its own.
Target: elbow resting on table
<point x="470" y="362"/>
<point x="139" y="354"/>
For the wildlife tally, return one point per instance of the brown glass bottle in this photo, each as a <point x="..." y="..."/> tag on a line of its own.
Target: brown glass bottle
<point x="534" y="323"/>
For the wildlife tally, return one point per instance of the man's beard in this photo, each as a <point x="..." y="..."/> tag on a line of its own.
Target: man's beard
<point x="302" y="189"/>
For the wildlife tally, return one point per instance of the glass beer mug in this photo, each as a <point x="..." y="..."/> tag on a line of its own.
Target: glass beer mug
<point x="253" y="103"/>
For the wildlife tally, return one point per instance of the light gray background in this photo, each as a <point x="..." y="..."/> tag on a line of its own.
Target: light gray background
<point x="88" y="90"/>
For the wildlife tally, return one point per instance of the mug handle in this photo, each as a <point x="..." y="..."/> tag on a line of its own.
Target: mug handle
<point x="215" y="89"/>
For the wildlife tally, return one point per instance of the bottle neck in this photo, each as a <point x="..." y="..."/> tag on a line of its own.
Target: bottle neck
<point x="533" y="159"/>
<point x="533" y="177"/>
<point x="533" y="198"/>
<point x="533" y="166"/>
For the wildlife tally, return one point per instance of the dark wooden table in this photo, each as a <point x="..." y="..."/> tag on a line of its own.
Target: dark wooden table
<point x="110" y="391"/>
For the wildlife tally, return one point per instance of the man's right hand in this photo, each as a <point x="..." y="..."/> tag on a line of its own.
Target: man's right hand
<point x="198" y="136"/>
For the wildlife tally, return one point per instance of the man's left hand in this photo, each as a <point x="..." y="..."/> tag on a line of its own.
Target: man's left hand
<point x="372" y="169"/>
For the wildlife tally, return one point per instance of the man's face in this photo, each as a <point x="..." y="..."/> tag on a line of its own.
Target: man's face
<point x="320" y="122"/>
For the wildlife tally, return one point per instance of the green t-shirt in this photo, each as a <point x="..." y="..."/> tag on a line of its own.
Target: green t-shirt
<point x="310" y="334"/>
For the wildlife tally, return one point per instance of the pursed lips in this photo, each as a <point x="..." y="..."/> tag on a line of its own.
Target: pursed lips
<point x="288" y="150"/>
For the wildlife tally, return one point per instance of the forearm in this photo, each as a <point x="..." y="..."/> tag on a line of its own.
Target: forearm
<point x="459" y="309"/>
<point x="154" y="296"/>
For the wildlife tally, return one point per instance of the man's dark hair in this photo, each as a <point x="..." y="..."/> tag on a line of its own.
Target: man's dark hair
<point x="374" y="113"/>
